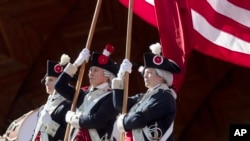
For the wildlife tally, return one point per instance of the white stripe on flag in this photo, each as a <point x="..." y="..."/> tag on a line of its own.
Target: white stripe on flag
<point x="232" y="11"/>
<point x="152" y="2"/>
<point x="217" y="36"/>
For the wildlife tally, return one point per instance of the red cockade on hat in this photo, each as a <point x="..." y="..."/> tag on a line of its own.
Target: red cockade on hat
<point x="103" y="59"/>
<point x="109" y="48"/>
<point x="158" y="60"/>
<point x="58" y="68"/>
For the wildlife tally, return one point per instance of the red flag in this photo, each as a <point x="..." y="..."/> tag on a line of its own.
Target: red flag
<point x="171" y="34"/>
<point x="164" y="15"/>
<point x="144" y="9"/>
<point x="221" y="29"/>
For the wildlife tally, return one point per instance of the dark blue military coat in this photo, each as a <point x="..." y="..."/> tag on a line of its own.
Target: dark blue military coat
<point x="102" y="115"/>
<point x="160" y="108"/>
<point x="58" y="116"/>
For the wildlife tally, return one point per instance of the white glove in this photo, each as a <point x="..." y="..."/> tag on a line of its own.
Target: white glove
<point x="73" y="119"/>
<point x="69" y="115"/>
<point x="119" y="123"/>
<point x="126" y="66"/>
<point x="45" y="118"/>
<point x="83" y="56"/>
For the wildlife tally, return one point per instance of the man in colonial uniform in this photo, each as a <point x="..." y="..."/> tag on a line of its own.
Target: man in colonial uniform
<point x="95" y="114"/>
<point x="150" y="115"/>
<point x="51" y="124"/>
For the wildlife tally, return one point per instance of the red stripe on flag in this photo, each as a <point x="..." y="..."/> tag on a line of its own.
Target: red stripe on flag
<point x="219" y="20"/>
<point x="222" y="29"/>
<point x="241" y="3"/>
<point x="143" y="9"/>
<point x="211" y="49"/>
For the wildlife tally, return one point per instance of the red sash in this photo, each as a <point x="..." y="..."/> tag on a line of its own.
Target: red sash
<point x="128" y="136"/>
<point x="82" y="135"/>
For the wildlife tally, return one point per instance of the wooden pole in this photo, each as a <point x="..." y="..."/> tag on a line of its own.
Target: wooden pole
<point x="127" y="56"/>
<point x="82" y="69"/>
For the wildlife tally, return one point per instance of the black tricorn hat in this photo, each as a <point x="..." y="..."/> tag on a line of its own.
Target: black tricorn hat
<point x="56" y="68"/>
<point x="155" y="60"/>
<point x="104" y="61"/>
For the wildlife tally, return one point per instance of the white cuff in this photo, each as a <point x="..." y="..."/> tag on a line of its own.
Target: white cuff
<point x="117" y="83"/>
<point x="120" y="125"/>
<point x="74" y="121"/>
<point x="70" y="69"/>
<point x="52" y="128"/>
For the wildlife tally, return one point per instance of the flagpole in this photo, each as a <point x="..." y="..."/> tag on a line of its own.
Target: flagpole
<point x="82" y="69"/>
<point x="127" y="56"/>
